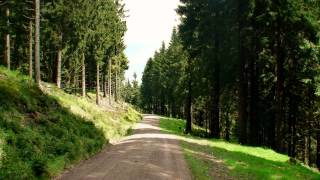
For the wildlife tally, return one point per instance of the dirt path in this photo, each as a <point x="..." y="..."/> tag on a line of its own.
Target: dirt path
<point x="147" y="154"/>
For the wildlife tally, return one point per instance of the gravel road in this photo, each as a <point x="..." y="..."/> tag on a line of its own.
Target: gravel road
<point x="147" y="154"/>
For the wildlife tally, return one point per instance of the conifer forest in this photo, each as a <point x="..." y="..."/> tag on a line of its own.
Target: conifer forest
<point x="233" y="93"/>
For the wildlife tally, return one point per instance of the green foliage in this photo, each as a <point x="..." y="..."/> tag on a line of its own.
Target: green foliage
<point x="209" y="158"/>
<point x="131" y="92"/>
<point x="163" y="81"/>
<point x="90" y="29"/>
<point x="41" y="134"/>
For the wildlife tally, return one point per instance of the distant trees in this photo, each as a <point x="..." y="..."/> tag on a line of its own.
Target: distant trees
<point x="131" y="92"/>
<point x="250" y="72"/>
<point x="78" y="40"/>
<point x="165" y="81"/>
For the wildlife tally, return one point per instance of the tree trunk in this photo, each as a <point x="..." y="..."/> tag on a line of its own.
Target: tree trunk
<point x="318" y="149"/>
<point x="58" y="78"/>
<point x="189" y="100"/>
<point x="83" y="77"/>
<point x="30" y="50"/>
<point x="75" y="80"/>
<point x="162" y="105"/>
<point x="104" y="86"/>
<point x="109" y="81"/>
<point x="98" y="85"/>
<point x="7" y="52"/>
<point x="215" y="123"/>
<point x="173" y="109"/>
<point x="280" y="113"/>
<point x="243" y="83"/>
<point x="7" y="49"/>
<point x="37" y="42"/>
<point x="116" y="84"/>
<point x="292" y="125"/>
<point x="227" y="128"/>
<point x="307" y="148"/>
<point x="253" y="103"/>
<point x="292" y="109"/>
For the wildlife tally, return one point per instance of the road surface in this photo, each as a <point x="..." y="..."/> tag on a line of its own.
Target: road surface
<point x="147" y="154"/>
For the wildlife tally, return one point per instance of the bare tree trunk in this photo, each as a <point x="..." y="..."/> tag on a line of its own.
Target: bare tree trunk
<point x="116" y="84"/>
<point x="280" y="112"/>
<point x="254" y="138"/>
<point x="83" y="77"/>
<point x="30" y="50"/>
<point x="104" y="85"/>
<point x="37" y="42"/>
<point x="215" y="128"/>
<point x="293" y="107"/>
<point x="98" y="85"/>
<point x="75" y="82"/>
<point x="7" y="42"/>
<point x="318" y="149"/>
<point x="109" y="80"/>
<point x="307" y="149"/>
<point x="189" y="100"/>
<point x="119" y="83"/>
<point x="243" y="82"/>
<point x="227" y="127"/>
<point x="58" y="79"/>
<point x="7" y="51"/>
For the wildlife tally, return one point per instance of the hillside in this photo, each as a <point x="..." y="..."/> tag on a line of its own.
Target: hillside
<point x="44" y="131"/>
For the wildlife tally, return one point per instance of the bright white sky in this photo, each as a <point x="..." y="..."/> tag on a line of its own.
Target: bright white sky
<point x="149" y="23"/>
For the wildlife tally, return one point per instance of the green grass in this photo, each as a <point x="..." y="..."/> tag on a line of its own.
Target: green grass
<point x="44" y="131"/>
<point x="114" y="123"/>
<point x="208" y="158"/>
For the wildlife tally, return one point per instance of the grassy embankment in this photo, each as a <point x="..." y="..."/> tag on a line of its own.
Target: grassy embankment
<point x="210" y="159"/>
<point x="44" y="131"/>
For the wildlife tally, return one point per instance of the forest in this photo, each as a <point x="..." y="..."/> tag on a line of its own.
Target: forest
<point x="247" y="71"/>
<point x="237" y="79"/>
<point x="76" y="44"/>
<point x="62" y="62"/>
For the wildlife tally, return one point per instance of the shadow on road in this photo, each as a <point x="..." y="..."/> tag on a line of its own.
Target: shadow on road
<point x="147" y="154"/>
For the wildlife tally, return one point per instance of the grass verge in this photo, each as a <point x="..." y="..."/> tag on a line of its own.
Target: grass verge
<point x="44" y="131"/>
<point x="210" y="158"/>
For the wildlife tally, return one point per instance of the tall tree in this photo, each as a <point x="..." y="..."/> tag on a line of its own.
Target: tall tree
<point x="30" y="49"/>
<point x="37" y="42"/>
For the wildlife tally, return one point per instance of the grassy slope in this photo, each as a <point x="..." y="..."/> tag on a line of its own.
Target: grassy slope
<point x="242" y="162"/>
<point x="42" y="133"/>
<point x="114" y="123"/>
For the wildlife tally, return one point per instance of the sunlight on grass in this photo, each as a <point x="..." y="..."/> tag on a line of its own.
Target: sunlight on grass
<point x="244" y="162"/>
<point x="198" y="167"/>
<point x="114" y="124"/>
<point x="177" y="126"/>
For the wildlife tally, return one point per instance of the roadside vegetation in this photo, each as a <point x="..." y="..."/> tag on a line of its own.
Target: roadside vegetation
<point x="44" y="131"/>
<point x="212" y="158"/>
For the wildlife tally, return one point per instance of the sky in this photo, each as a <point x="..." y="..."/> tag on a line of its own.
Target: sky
<point x="149" y="23"/>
